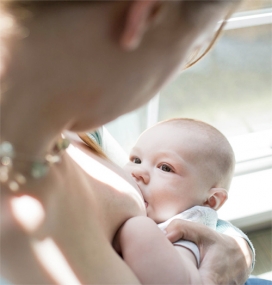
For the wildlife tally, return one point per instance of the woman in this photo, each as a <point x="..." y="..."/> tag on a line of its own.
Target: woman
<point x="75" y="66"/>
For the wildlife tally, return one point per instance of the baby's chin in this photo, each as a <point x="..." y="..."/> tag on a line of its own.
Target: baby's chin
<point x="161" y="218"/>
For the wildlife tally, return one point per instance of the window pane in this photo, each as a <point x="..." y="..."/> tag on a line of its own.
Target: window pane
<point x="248" y="5"/>
<point x="230" y="88"/>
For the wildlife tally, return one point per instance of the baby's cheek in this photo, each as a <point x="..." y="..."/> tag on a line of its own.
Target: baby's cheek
<point x="127" y="168"/>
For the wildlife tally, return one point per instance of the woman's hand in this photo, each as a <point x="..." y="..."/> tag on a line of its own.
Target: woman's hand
<point x="223" y="259"/>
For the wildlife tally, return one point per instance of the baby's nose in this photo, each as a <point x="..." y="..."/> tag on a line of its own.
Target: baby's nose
<point x="140" y="175"/>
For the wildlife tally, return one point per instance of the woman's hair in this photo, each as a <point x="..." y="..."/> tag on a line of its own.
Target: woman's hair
<point x="95" y="147"/>
<point x="199" y="53"/>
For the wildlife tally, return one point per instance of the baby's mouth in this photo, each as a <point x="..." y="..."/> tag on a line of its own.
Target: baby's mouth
<point x="146" y="204"/>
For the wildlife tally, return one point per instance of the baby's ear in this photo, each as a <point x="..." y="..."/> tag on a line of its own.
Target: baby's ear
<point x="216" y="198"/>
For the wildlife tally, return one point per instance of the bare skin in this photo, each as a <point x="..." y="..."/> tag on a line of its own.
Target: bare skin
<point x="206" y="244"/>
<point x="152" y="257"/>
<point x="60" y="204"/>
<point x="69" y="74"/>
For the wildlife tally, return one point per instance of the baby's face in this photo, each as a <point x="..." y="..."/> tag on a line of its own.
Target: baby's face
<point x="165" y="164"/>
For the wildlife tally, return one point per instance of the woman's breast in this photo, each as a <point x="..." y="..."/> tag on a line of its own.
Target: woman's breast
<point x="116" y="195"/>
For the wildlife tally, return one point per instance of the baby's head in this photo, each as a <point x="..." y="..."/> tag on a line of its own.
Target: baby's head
<point x="181" y="163"/>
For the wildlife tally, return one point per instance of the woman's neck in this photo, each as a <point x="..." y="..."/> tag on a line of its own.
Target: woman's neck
<point x="29" y="119"/>
<point x="31" y="108"/>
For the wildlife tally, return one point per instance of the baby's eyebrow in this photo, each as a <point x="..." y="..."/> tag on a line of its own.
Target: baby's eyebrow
<point x="135" y="149"/>
<point x="169" y="153"/>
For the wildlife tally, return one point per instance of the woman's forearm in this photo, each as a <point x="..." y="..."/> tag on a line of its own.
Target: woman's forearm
<point x="222" y="260"/>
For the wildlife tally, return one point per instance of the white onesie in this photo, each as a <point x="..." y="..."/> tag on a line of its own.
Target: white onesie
<point x="198" y="214"/>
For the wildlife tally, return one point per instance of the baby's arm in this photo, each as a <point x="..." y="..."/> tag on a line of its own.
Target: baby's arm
<point x="152" y="257"/>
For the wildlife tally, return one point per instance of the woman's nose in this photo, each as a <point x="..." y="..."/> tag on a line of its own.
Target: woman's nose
<point x="140" y="174"/>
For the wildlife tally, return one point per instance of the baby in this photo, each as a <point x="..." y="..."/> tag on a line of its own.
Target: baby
<point x="183" y="169"/>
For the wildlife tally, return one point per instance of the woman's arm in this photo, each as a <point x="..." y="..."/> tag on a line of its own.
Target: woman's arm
<point x="229" y="229"/>
<point x="218" y="252"/>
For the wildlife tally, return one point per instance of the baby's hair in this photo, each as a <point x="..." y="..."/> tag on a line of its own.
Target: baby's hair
<point x="219" y="156"/>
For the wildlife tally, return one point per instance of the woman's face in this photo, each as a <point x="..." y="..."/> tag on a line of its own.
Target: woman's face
<point x="78" y="53"/>
<point x="134" y="77"/>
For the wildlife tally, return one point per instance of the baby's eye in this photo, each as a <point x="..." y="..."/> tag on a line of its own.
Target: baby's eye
<point x="136" y="160"/>
<point x="166" y="168"/>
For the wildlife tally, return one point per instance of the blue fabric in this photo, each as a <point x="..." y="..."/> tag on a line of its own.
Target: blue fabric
<point x="258" y="281"/>
<point x="96" y="136"/>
